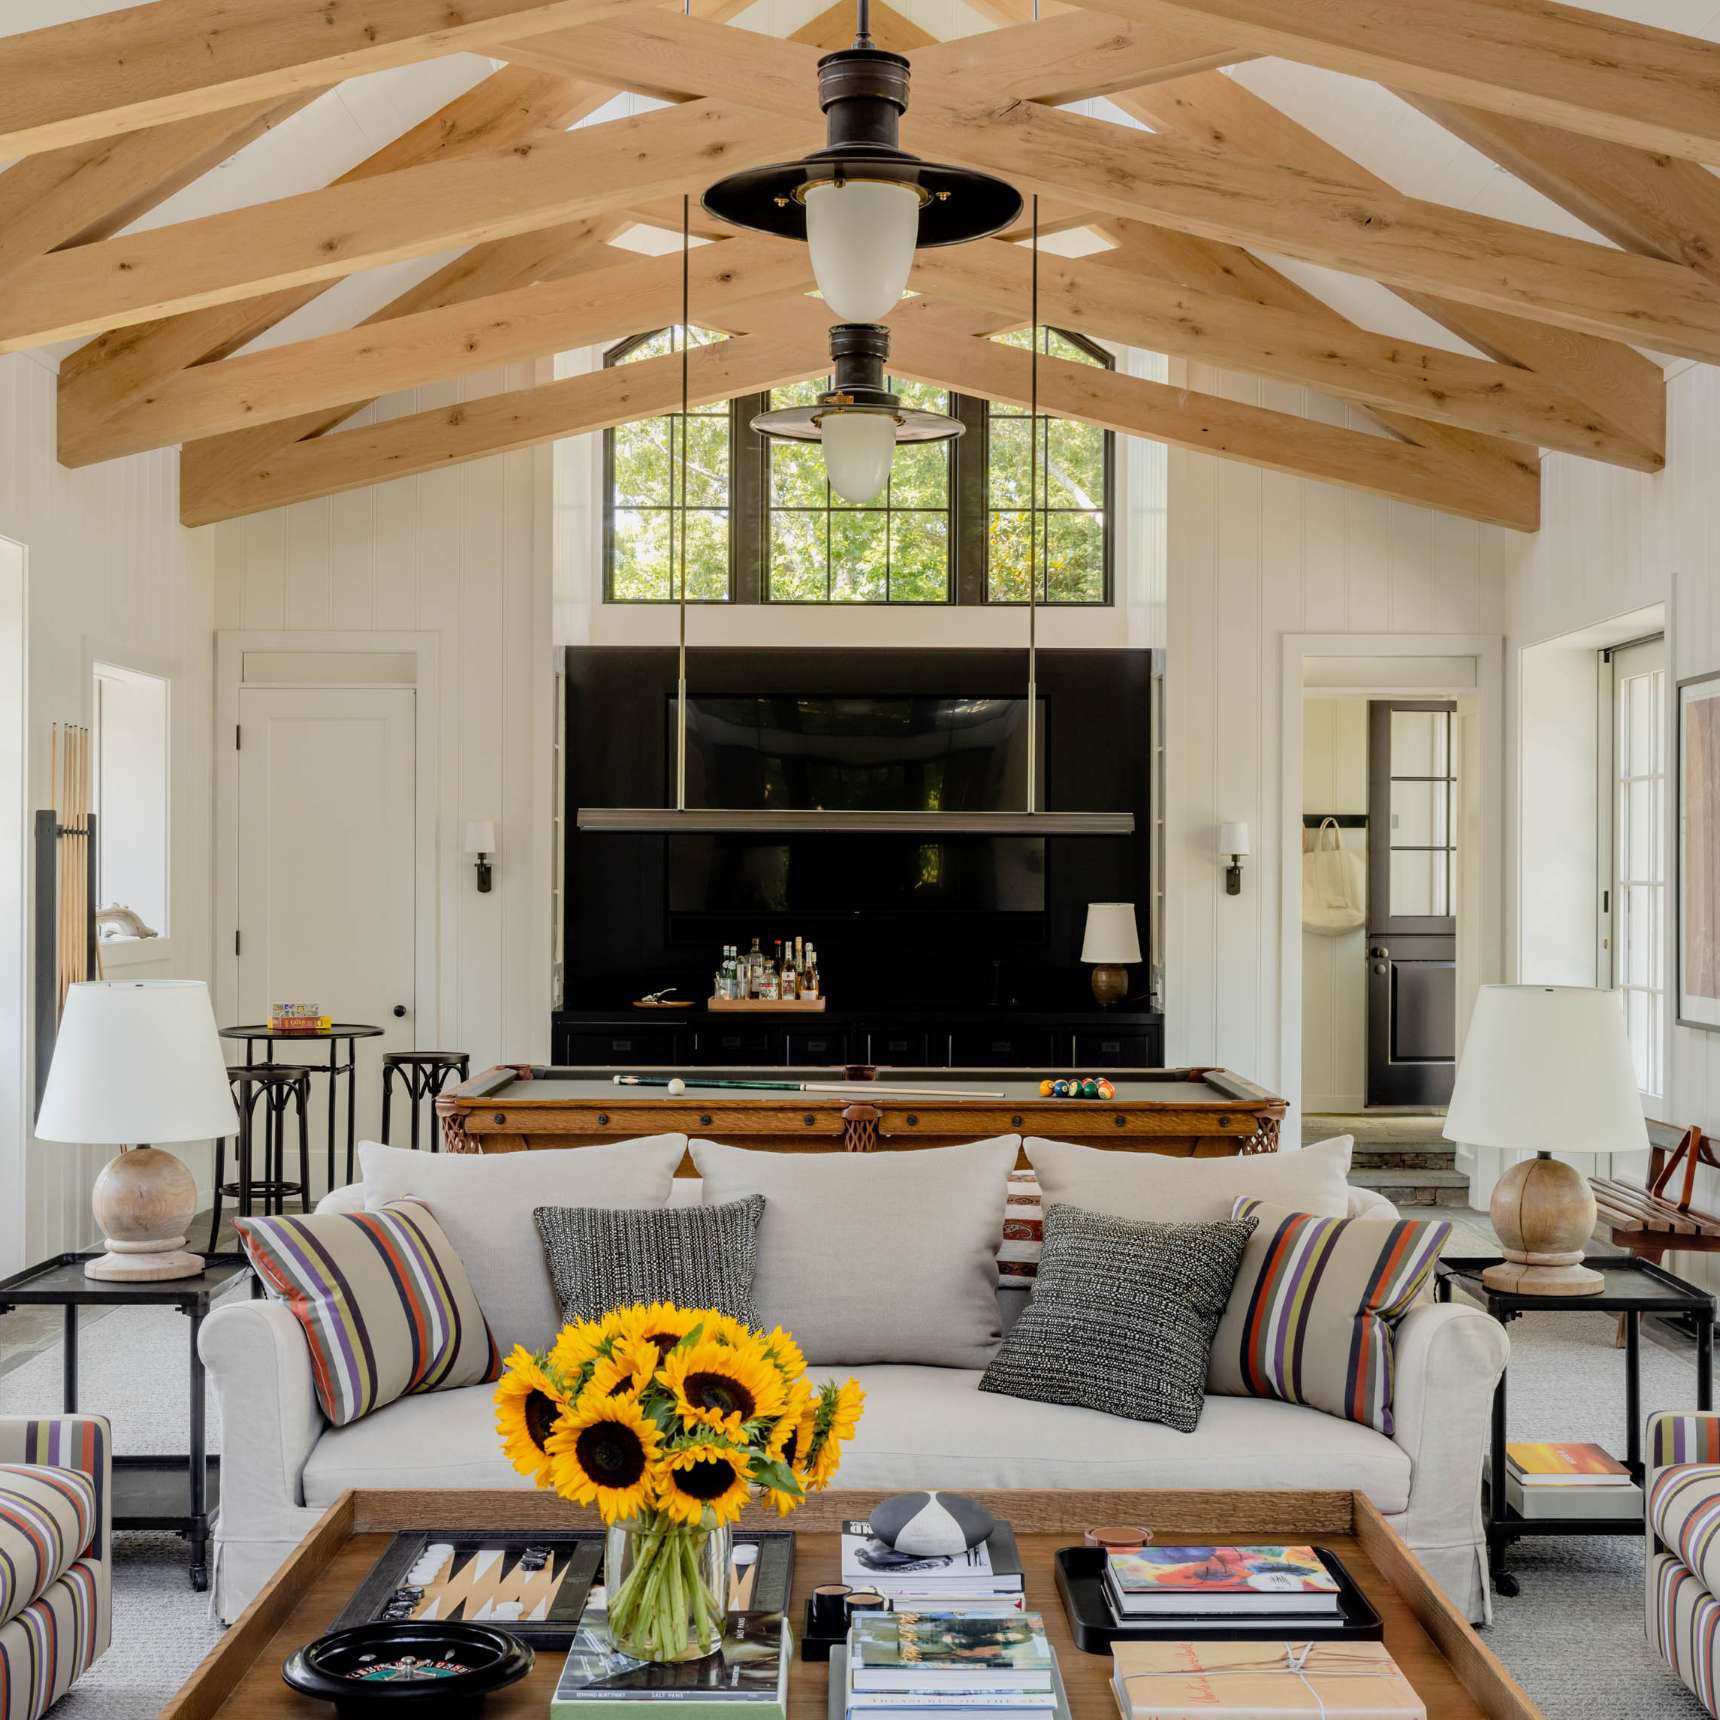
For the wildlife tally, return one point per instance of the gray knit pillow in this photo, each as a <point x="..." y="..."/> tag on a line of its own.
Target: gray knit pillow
<point x="602" y="1258"/>
<point x="1122" y="1316"/>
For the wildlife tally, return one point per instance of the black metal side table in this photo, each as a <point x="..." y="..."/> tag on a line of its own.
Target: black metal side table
<point x="1634" y="1287"/>
<point x="339" y="1033"/>
<point x="178" y="1493"/>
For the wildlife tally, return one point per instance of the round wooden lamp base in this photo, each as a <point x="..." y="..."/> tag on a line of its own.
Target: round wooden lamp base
<point x="143" y="1201"/>
<point x="1544" y="1212"/>
<point x="1110" y="985"/>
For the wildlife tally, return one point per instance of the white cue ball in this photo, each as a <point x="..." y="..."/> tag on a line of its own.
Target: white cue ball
<point x="677" y="1087"/>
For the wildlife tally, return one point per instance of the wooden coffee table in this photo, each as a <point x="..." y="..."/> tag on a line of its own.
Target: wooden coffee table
<point x="1444" y="1659"/>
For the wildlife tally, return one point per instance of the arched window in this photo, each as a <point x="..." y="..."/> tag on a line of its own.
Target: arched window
<point x="761" y="524"/>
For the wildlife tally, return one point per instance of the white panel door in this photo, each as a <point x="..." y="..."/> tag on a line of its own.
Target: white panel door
<point x="326" y="875"/>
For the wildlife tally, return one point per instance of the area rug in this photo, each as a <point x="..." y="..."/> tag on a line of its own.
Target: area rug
<point x="1573" y="1637"/>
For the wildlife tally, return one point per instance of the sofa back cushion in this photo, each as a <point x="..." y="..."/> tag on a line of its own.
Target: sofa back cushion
<point x="875" y="1257"/>
<point x="484" y="1201"/>
<point x="386" y="1306"/>
<point x="1311" y="1316"/>
<point x="1152" y="1188"/>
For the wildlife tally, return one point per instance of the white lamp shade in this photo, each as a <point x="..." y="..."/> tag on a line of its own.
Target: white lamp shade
<point x="1233" y="839"/>
<point x="862" y="235"/>
<point x="1111" y="936"/>
<point x="480" y="836"/>
<point x="137" y="1064"/>
<point x="1547" y="1069"/>
<point x="858" y="448"/>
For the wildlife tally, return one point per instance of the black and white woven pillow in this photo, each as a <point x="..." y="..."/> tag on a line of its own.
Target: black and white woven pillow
<point x="603" y="1258"/>
<point x="1122" y="1316"/>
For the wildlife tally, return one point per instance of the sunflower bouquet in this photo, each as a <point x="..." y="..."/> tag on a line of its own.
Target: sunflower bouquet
<point x="668" y="1420"/>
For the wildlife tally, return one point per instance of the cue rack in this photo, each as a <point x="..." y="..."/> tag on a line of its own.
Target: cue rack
<point x="65" y="895"/>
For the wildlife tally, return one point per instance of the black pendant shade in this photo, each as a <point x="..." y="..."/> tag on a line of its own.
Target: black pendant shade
<point x="857" y="355"/>
<point x="863" y="91"/>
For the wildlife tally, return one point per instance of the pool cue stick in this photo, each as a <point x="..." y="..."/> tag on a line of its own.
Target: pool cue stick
<point x="844" y="1089"/>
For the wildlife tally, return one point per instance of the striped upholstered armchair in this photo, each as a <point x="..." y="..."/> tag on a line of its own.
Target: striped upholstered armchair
<point x="1684" y="1548"/>
<point x="56" y="1600"/>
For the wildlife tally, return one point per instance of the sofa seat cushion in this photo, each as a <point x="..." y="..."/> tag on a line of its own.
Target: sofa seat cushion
<point x="926" y="1427"/>
<point x="933" y="1427"/>
<point x="47" y="1518"/>
<point x="1684" y="1511"/>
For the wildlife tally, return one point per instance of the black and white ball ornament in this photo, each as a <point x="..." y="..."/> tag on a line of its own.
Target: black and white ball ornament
<point x="929" y="1524"/>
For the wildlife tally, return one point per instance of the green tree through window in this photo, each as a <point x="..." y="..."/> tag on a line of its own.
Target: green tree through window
<point x="763" y="526"/>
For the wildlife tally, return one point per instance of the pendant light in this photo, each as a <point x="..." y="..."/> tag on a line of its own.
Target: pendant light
<point x="862" y="203"/>
<point x="858" y="420"/>
<point x="857" y="393"/>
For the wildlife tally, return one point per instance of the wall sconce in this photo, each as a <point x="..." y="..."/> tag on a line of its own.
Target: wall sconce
<point x="1233" y="840"/>
<point x="481" y="842"/>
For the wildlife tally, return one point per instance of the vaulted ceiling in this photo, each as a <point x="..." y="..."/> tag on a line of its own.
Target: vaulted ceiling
<point x="1490" y="223"/>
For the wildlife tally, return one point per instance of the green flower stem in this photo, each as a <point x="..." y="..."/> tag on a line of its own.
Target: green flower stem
<point x="663" y="1608"/>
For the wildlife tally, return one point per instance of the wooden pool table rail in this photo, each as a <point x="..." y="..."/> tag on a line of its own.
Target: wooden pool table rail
<point x="495" y="1113"/>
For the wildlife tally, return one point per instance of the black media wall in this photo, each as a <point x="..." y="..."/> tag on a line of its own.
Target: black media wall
<point x="623" y="939"/>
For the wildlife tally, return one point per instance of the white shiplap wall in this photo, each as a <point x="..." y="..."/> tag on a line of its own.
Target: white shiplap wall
<point x="113" y="576"/>
<point x="463" y="554"/>
<point x="1254" y="555"/>
<point x="1614" y="542"/>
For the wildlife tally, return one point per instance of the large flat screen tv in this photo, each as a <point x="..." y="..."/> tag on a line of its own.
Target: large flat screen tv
<point x="843" y="753"/>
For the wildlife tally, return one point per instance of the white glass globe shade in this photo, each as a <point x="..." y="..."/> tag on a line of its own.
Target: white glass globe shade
<point x="862" y="236"/>
<point x="858" y="448"/>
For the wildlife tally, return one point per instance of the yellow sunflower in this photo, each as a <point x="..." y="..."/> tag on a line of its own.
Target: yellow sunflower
<point x="529" y="1402"/>
<point x="576" y="1345"/>
<point x="699" y="1478"/>
<point x="662" y="1323"/>
<point x="722" y="1388"/>
<point x="626" y="1371"/>
<point x="786" y="1353"/>
<point x="724" y="1328"/>
<point x="781" y="1439"/>
<point x="602" y="1455"/>
<point x="835" y="1419"/>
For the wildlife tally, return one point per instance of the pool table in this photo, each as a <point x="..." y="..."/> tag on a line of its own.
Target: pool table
<point x="1198" y="1113"/>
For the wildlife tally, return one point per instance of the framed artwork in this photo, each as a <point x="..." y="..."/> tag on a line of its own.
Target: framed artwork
<point x="1699" y="852"/>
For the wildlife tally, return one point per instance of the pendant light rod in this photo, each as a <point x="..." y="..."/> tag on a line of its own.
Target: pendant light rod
<point x="681" y="656"/>
<point x="863" y="24"/>
<point x="1033" y="530"/>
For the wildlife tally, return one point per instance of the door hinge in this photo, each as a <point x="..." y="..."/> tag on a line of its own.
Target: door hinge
<point x="237" y="733"/>
<point x="235" y="940"/>
<point x="1606" y="901"/>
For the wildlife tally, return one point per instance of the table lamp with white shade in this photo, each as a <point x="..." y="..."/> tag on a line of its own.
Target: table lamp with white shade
<point x="135" y="1064"/>
<point x="1112" y="945"/>
<point x="1546" y="1069"/>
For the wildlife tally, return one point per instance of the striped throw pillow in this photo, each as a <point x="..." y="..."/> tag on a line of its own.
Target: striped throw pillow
<point x="1311" y="1314"/>
<point x="385" y="1304"/>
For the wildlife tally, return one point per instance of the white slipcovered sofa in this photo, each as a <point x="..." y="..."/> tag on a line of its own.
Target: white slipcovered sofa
<point x="923" y="1426"/>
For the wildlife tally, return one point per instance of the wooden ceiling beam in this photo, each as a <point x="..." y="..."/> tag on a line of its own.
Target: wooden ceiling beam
<point x="169" y="60"/>
<point x="102" y="377"/>
<point x="628" y="296"/>
<point x="1654" y="204"/>
<point x="1117" y="304"/>
<point x="1623" y="390"/>
<point x="1498" y="492"/>
<point x="89" y="191"/>
<point x="500" y="423"/>
<point x="1583" y="71"/>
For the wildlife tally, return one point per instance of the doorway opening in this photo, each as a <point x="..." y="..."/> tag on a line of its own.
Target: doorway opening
<point x="15" y="1181"/>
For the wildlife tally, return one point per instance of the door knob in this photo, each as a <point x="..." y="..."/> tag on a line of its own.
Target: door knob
<point x="399" y="1010"/>
<point x="1379" y="951"/>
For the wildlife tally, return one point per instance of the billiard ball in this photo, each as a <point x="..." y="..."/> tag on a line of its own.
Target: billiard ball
<point x="676" y="1087"/>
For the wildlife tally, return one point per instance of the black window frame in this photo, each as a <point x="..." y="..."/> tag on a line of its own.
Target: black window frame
<point x="969" y="507"/>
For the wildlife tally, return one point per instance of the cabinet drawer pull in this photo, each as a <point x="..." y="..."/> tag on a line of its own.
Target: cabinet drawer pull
<point x="621" y="1045"/>
<point x="913" y="1121"/>
<point x="704" y="1119"/>
<point x="808" y="1119"/>
<point x="603" y="1119"/>
<point x="1110" y="1045"/>
<point x="730" y="1042"/>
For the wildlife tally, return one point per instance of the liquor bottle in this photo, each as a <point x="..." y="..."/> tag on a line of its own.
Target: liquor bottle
<point x="767" y="980"/>
<point x="790" y="980"/>
<point x="755" y="971"/>
<point x="726" y="986"/>
<point x="809" y="974"/>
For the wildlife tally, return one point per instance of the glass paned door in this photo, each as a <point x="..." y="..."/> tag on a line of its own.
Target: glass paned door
<point x="1636" y="892"/>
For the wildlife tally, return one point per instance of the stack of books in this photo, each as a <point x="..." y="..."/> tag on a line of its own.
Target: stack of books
<point x="1181" y="1588"/>
<point x="298" y="1018"/>
<point x="747" y="1680"/>
<point x="1254" y="1680"/>
<point x="987" y="1578"/>
<point x="950" y="1666"/>
<point x="1569" y="1481"/>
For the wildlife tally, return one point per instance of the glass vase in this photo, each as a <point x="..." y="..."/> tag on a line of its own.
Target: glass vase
<point x="667" y="1586"/>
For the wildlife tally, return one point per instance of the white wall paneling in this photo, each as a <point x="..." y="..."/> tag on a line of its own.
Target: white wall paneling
<point x="113" y="578"/>
<point x="1254" y="557"/>
<point x="458" y="558"/>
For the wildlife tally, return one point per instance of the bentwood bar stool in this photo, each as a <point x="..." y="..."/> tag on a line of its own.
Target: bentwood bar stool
<point x="271" y="1089"/>
<point x="422" y="1075"/>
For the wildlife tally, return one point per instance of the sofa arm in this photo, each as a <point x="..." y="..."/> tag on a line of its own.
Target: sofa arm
<point x="1681" y="1436"/>
<point x="81" y="1442"/>
<point x="1447" y="1359"/>
<point x="260" y="1366"/>
<point x="349" y="1197"/>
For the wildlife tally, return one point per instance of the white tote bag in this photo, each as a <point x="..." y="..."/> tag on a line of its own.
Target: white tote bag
<point x="1334" y="884"/>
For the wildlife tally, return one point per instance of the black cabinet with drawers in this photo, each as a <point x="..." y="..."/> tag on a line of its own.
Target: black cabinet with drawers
<point x="1089" y="1043"/>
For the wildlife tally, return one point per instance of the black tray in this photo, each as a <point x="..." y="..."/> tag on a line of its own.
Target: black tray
<point x="1081" y="1583"/>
